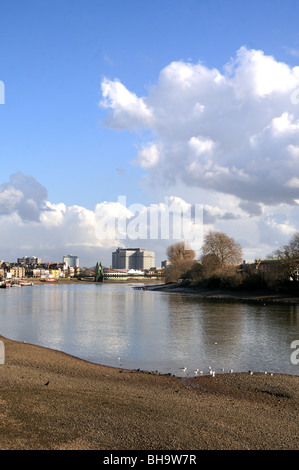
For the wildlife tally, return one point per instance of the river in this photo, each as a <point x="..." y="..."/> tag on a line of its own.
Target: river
<point x="180" y="334"/>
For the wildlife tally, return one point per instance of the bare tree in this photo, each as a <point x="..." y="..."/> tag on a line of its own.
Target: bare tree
<point x="288" y="256"/>
<point x="180" y="252"/>
<point x="181" y="259"/>
<point x="224" y="250"/>
<point x="210" y="264"/>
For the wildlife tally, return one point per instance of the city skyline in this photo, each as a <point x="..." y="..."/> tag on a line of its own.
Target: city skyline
<point x="192" y="102"/>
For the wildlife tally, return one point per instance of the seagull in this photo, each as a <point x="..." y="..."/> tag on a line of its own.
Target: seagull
<point x="231" y="371"/>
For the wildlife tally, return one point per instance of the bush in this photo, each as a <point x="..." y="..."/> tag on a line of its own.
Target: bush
<point x="223" y="281"/>
<point x="254" y="281"/>
<point x="195" y="274"/>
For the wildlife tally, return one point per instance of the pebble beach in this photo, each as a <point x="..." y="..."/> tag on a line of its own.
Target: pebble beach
<point x="52" y="401"/>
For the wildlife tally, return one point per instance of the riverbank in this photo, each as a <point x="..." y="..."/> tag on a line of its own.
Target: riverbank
<point x="264" y="296"/>
<point x="74" y="280"/>
<point x="53" y="401"/>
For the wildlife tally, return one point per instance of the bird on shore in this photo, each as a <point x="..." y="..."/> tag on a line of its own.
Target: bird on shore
<point x="47" y="383"/>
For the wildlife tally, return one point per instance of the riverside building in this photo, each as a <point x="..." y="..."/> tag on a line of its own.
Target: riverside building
<point x="133" y="258"/>
<point x="71" y="261"/>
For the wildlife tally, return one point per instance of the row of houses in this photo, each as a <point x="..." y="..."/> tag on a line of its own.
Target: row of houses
<point x="40" y="271"/>
<point x="59" y="270"/>
<point x="271" y="269"/>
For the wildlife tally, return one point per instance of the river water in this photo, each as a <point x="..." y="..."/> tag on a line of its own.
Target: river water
<point x="115" y="324"/>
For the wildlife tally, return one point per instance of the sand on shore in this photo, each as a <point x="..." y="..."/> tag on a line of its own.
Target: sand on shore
<point x="52" y="401"/>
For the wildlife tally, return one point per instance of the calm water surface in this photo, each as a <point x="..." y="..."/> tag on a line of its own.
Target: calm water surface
<point x="151" y="330"/>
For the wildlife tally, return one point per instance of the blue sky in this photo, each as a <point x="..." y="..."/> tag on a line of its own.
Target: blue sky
<point x="54" y="56"/>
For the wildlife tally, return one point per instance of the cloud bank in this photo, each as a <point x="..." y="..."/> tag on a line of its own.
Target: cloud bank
<point x="53" y="230"/>
<point x="57" y="229"/>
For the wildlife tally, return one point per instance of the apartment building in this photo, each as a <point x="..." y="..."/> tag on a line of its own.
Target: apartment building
<point x="133" y="258"/>
<point x="71" y="261"/>
<point x="17" y="272"/>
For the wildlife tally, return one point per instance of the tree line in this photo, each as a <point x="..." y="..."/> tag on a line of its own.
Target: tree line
<point x="220" y="265"/>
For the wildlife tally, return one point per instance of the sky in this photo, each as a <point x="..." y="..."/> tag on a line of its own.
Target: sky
<point x="116" y="110"/>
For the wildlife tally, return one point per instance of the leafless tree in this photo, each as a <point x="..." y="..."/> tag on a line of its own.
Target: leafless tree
<point x="181" y="259"/>
<point x="288" y="256"/>
<point x="180" y="252"/>
<point x="222" y="249"/>
<point x="210" y="264"/>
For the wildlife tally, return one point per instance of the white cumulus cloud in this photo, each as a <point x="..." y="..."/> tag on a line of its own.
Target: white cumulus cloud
<point x="128" y="111"/>
<point x="232" y="131"/>
<point x="148" y="156"/>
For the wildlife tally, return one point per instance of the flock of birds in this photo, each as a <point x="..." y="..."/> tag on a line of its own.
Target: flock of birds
<point x="213" y="372"/>
<point x="201" y="372"/>
<point x="210" y="371"/>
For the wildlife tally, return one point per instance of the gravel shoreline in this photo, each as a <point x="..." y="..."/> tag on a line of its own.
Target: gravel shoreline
<point x="53" y="401"/>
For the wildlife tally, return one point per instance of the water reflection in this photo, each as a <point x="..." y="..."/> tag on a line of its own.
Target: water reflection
<point x="151" y="330"/>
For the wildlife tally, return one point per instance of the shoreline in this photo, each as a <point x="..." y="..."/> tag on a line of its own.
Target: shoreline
<point x="215" y="294"/>
<point x="62" y="281"/>
<point x="50" y="400"/>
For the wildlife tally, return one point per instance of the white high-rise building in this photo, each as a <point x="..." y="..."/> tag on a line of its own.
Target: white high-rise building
<point x="133" y="258"/>
<point x="71" y="261"/>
